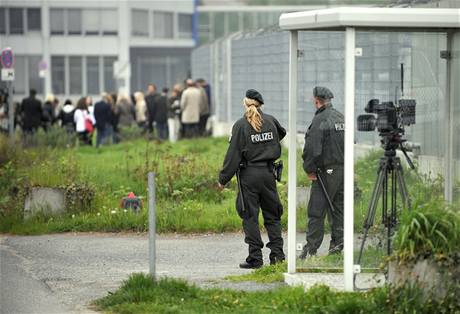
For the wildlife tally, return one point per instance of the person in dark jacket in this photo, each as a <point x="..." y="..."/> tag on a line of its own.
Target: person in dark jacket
<point x="104" y="117"/>
<point x="161" y="115"/>
<point x="66" y="116"/>
<point x="48" y="114"/>
<point x="254" y="146"/>
<point x="31" y="111"/>
<point x="323" y="158"/>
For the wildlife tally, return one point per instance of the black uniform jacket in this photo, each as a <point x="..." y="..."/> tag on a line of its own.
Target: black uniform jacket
<point x="324" y="140"/>
<point x="248" y="145"/>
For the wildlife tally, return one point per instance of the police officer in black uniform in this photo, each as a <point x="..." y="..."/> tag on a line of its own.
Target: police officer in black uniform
<point x="323" y="159"/>
<point x="254" y="146"/>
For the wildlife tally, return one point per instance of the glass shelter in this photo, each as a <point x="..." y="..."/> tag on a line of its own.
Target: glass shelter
<point x="353" y="24"/>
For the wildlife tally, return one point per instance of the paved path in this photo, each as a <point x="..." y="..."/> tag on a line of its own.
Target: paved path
<point x="62" y="273"/>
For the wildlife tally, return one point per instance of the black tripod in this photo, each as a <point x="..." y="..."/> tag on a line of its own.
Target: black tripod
<point x="390" y="181"/>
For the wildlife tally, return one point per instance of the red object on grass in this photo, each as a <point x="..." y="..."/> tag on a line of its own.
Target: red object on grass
<point x="131" y="195"/>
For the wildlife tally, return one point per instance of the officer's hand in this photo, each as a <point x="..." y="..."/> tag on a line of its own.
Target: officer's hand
<point x="220" y="186"/>
<point x="312" y="176"/>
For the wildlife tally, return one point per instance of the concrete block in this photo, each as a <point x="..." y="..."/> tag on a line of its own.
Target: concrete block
<point x="47" y="200"/>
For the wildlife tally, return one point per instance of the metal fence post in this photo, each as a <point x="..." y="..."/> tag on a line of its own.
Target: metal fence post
<point x="152" y="224"/>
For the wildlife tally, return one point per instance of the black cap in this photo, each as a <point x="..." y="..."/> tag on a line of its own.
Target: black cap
<point x="322" y="92"/>
<point x="253" y="94"/>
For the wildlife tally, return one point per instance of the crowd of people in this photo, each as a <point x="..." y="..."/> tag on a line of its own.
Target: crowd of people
<point x="164" y="115"/>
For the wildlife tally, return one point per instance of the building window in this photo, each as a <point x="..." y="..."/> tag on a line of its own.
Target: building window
<point x="2" y="21"/>
<point x="91" y="22"/>
<point x="185" y="26"/>
<point x="163" y="25"/>
<point x="35" y="81"/>
<point x="34" y="19"/>
<point x="140" y="22"/>
<point x="16" y="21"/>
<point x="57" y="22"/>
<point x="58" y="75"/>
<point x="74" y="21"/>
<point x="109" y="81"/>
<point x="75" y="76"/>
<point x="20" y="75"/>
<point x="92" y="75"/>
<point x="109" y="20"/>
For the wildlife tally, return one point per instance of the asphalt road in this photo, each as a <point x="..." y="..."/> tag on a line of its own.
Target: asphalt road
<point x="63" y="273"/>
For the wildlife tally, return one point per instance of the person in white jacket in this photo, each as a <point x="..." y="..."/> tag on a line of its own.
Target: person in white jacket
<point x="81" y="118"/>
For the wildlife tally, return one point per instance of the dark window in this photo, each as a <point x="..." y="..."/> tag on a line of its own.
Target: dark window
<point x="57" y="22"/>
<point x="140" y="22"/>
<point x="109" y="81"/>
<point x="16" y="21"/>
<point x="35" y="81"/>
<point x="163" y="25"/>
<point x="75" y="75"/>
<point x="58" y="75"/>
<point x="2" y="21"/>
<point x="92" y="75"/>
<point x="34" y="19"/>
<point x="74" y="21"/>
<point x="185" y="26"/>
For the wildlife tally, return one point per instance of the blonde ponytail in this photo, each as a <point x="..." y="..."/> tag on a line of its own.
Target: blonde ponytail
<point x="252" y="114"/>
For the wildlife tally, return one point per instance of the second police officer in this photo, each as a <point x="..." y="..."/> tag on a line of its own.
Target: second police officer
<point x="254" y="147"/>
<point x="323" y="163"/>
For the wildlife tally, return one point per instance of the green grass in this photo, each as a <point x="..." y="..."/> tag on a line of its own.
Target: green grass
<point x="140" y="294"/>
<point x="266" y="274"/>
<point x="186" y="174"/>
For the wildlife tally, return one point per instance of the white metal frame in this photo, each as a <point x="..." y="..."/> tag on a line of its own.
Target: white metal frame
<point x="349" y="20"/>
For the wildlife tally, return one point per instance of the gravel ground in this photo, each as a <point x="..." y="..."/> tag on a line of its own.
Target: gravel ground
<point x="62" y="273"/>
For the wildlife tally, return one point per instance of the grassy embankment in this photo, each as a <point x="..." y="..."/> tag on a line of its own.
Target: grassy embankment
<point x="188" y="200"/>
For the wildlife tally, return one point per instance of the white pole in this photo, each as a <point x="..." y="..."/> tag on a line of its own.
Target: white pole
<point x="349" y="154"/>
<point x="292" y="144"/>
<point x="152" y="224"/>
<point x="449" y="126"/>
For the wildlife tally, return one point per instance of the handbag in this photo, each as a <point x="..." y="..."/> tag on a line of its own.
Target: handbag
<point x="89" y="125"/>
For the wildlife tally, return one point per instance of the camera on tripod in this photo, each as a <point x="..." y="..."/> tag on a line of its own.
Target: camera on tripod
<point x="387" y="117"/>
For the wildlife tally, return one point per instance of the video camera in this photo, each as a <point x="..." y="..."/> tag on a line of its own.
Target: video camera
<point x="387" y="117"/>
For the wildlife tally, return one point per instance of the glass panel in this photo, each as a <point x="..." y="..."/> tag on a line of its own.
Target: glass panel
<point x="58" y="75"/>
<point x="109" y="21"/>
<point x="91" y="22"/>
<point x="2" y="21"/>
<point x="140" y="22"/>
<point x="20" y="75"/>
<point x="92" y="75"/>
<point x="233" y="22"/>
<point x="16" y="21"/>
<point x="74" y="21"/>
<point x="34" y="19"/>
<point x="203" y="27"/>
<point x="185" y="26"/>
<point x="219" y="24"/>
<point x="75" y="75"/>
<point x="163" y="25"/>
<point x="109" y="81"/>
<point x="35" y="81"/>
<point x="57" y="21"/>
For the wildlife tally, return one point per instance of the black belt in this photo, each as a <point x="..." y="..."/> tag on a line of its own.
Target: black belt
<point x="259" y="163"/>
<point x="331" y="166"/>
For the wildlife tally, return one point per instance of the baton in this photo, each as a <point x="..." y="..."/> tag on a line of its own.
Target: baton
<point x="321" y="182"/>
<point x="240" y="189"/>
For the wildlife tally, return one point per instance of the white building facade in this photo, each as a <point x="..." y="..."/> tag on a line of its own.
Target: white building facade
<point x="74" y="48"/>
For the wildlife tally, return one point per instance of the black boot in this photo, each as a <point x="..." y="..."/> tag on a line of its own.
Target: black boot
<point x="306" y="251"/>
<point x="251" y="265"/>
<point x="275" y="260"/>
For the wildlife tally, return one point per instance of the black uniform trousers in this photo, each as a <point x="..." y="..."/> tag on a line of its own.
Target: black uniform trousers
<point x="318" y="207"/>
<point x="259" y="191"/>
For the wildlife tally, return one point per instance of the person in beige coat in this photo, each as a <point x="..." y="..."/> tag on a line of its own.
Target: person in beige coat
<point x="141" y="109"/>
<point x="192" y="103"/>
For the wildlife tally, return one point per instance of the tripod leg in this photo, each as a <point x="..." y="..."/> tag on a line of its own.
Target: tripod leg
<point x="371" y="210"/>
<point x="403" y="187"/>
